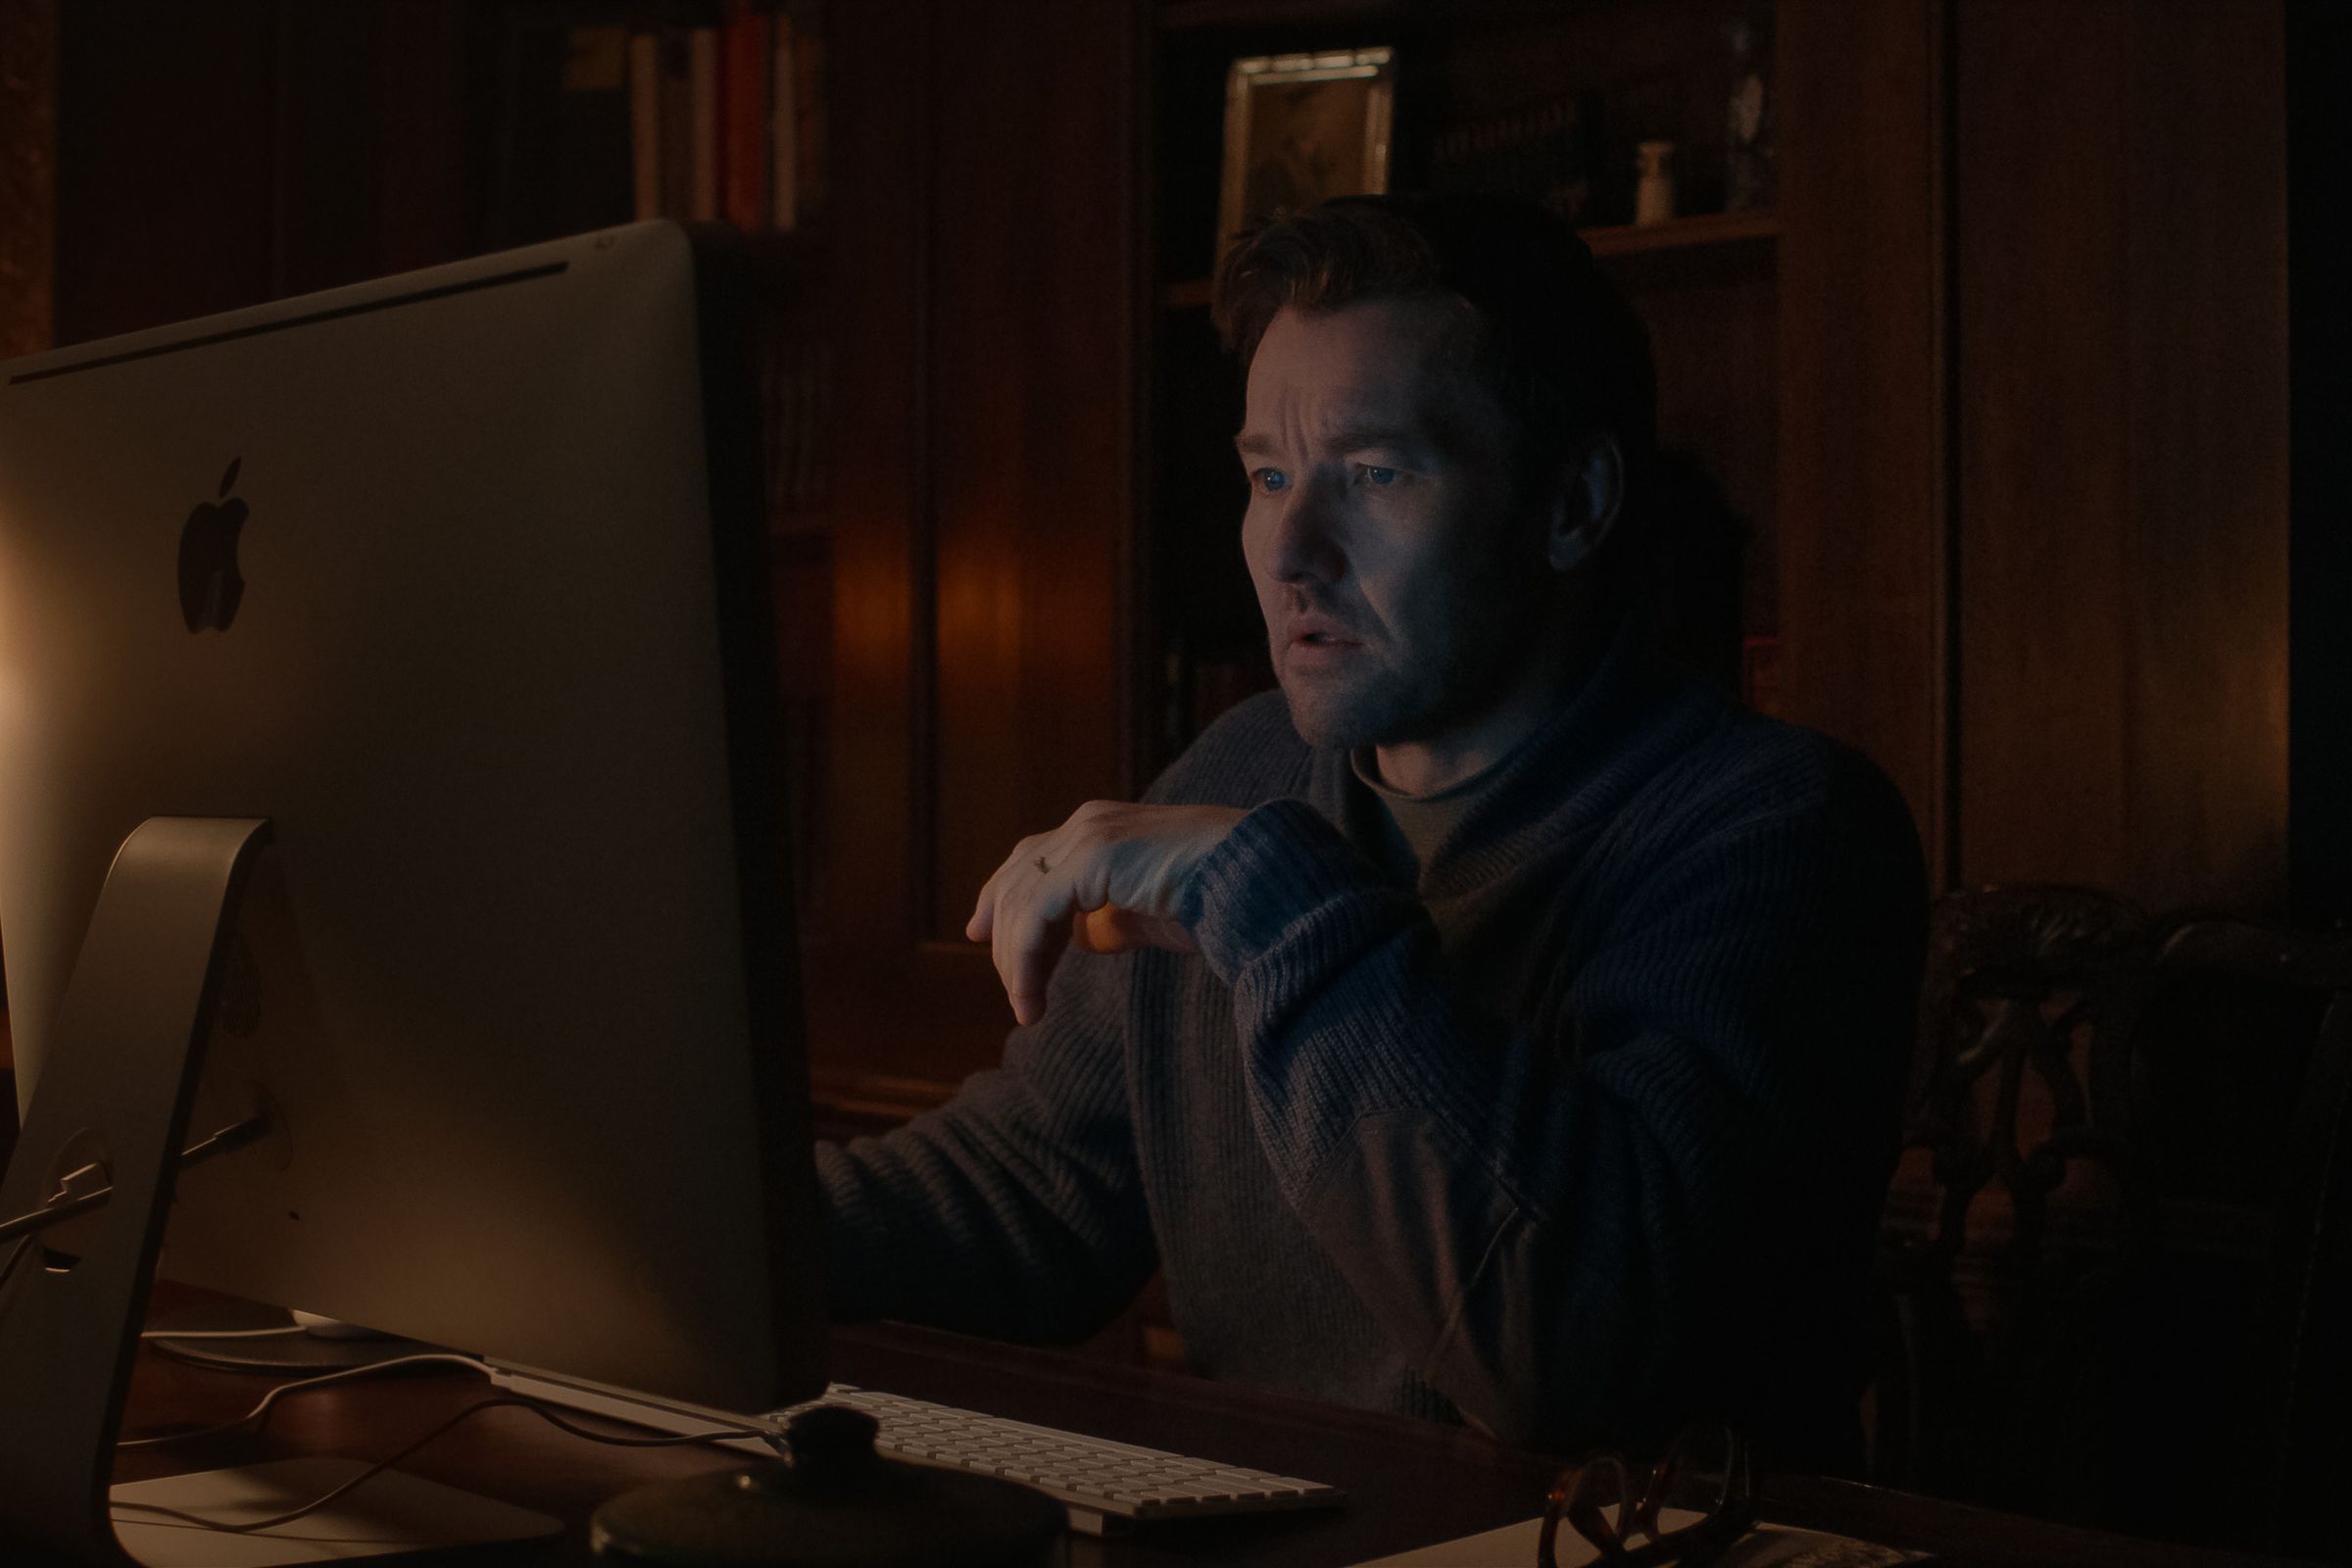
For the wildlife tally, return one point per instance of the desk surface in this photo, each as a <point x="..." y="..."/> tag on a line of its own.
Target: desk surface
<point x="1409" y="1481"/>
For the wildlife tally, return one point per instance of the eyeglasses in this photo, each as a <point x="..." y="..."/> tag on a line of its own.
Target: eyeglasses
<point x="1706" y="1469"/>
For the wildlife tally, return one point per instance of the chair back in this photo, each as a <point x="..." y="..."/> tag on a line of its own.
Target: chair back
<point x="2115" y="1275"/>
<point x="2016" y="1200"/>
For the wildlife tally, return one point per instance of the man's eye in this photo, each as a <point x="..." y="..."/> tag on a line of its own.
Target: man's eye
<point x="1373" y="473"/>
<point x="1269" y="481"/>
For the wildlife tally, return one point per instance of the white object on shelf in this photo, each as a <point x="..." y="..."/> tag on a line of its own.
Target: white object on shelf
<point x="1653" y="197"/>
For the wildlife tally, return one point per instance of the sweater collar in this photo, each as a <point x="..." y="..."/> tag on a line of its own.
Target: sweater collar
<point x="1610" y="734"/>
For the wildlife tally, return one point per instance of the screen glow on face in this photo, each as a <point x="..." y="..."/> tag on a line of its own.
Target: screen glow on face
<point x="1381" y="532"/>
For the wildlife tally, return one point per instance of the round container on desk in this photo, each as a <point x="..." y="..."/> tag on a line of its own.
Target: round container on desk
<point x="839" y="1504"/>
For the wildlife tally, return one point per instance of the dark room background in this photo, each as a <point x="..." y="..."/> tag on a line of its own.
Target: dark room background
<point x="2009" y="435"/>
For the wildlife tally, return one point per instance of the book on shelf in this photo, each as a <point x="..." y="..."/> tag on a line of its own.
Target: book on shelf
<point x="727" y="121"/>
<point x="809" y="118"/>
<point x="601" y="123"/>
<point x="702" y="115"/>
<point x="1544" y="154"/>
<point x="784" y="131"/>
<point x="744" y="68"/>
<point x="675" y="113"/>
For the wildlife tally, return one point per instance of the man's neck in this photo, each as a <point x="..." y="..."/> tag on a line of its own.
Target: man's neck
<point x="1438" y="762"/>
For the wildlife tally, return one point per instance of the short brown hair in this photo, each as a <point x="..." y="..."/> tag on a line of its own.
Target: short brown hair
<point x="1565" y="355"/>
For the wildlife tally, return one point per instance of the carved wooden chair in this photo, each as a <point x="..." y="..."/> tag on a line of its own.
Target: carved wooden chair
<point x="2016" y="1200"/>
<point x="2116" y="1274"/>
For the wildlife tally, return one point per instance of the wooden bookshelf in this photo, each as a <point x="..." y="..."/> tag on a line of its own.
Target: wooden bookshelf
<point x="1579" y="85"/>
<point x="1701" y="231"/>
<point x="1178" y="15"/>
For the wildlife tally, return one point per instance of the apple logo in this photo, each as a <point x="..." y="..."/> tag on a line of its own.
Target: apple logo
<point x="210" y="585"/>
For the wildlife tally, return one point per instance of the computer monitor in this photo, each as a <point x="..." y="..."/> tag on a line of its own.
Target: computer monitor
<point x="457" y="579"/>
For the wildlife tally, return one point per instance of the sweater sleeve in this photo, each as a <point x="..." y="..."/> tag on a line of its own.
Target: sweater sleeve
<point x="1552" y="1231"/>
<point x="1015" y="1210"/>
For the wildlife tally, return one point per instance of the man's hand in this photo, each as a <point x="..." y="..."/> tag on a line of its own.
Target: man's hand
<point x="1111" y="870"/>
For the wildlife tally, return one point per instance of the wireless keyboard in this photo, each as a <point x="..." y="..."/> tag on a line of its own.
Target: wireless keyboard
<point x="1103" y="1484"/>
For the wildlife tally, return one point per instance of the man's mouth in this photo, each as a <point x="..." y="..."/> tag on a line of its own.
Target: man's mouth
<point x="1314" y="634"/>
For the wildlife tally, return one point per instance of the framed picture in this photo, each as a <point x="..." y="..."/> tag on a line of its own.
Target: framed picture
<point x="1301" y="127"/>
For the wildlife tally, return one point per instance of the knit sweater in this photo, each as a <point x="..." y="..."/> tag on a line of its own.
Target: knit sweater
<point x="1583" y="1136"/>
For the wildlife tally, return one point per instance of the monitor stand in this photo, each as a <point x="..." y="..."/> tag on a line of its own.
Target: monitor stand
<point x="114" y="1094"/>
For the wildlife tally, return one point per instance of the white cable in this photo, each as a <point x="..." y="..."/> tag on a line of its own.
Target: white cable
<point x="223" y="1334"/>
<point x="544" y="1412"/>
<point x="258" y="1415"/>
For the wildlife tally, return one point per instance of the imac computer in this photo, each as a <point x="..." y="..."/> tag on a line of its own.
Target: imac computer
<point x="386" y="695"/>
<point x="387" y="808"/>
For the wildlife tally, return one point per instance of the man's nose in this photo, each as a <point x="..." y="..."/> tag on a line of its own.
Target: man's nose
<point x="1304" y="546"/>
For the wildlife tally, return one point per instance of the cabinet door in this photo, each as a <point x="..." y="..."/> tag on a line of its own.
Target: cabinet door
<point x="2120" y="327"/>
<point x="2032" y="431"/>
<point x="986" y="227"/>
<point x="1865" y="505"/>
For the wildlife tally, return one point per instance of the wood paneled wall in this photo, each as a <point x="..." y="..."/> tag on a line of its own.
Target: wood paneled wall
<point x="990" y="240"/>
<point x="1035" y="213"/>
<point x="28" y="175"/>
<point x="2121" y="347"/>
<point x="168" y="134"/>
<point x="2034" y="430"/>
<point x="214" y="157"/>
<point x="1864" y="507"/>
<point x="2319" y="61"/>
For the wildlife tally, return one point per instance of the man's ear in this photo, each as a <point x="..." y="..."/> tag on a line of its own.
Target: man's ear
<point x="1588" y="504"/>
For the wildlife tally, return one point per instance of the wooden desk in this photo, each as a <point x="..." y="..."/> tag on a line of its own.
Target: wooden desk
<point x="1409" y="1482"/>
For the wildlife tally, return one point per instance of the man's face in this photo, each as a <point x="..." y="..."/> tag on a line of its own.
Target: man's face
<point x="1398" y="572"/>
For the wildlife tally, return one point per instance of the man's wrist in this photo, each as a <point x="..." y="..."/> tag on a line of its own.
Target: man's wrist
<point x="1280" y="862"/>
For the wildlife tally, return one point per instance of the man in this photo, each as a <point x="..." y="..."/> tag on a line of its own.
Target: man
<point x="1492" y="1024"/>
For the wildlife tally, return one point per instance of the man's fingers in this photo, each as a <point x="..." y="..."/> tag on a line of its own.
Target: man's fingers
<point x="1024" y="965"/>
<point x="1020" y="935"/>
<point x="1121" y="864"/>
<point x="1027" y="987"/>
<point x="984" y="908"/>
<point x="1020" y="919"/>
<point x="1019" y="871"/>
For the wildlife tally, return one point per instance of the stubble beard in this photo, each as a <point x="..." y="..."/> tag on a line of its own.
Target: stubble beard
<point x="1448" y="682"/>
<point x="1379" y="709"/>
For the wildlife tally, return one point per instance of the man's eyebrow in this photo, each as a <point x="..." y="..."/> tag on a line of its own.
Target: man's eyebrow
<point x="1354" y="438"/>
